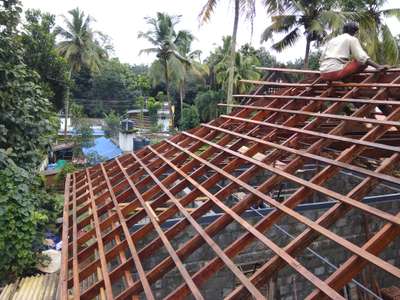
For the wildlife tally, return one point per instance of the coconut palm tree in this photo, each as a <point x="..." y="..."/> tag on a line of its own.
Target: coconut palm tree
<point x="374" y="33"/>
<point x="247" y="7"/>
<point x="80" y="47"/>
<point x="244" y="69"/>
<point x="194" y="68"/>
<point x="164" y="38"/>
<point x="295" y="18"/>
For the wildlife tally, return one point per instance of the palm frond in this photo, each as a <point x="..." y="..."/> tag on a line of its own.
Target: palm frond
<point x="207" y="11"/>
<point x="149" y="36"/>
<point x="199" y="70"/>
<point x="248" y="8"/>
<point x="267" y="34"/>
<point x="283" y="23"/>
<point x="149" y="51"/>
<point x="280" y="24"/>
<point x="156" y="72"/>
<point x="316" y="27"/>
<point x="79" y="46"/>
<point x="289" y="40"/>
<point x="62" y="32"/>
<point x="393" y="12"/>
<point x="275" y="6"/>
<point x="390" y="47"/>
<point x="335" y="20"/>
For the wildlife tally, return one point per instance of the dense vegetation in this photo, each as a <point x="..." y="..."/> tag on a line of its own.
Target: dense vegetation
<point x="46" y="69"/>
<point x="27" y="125"/>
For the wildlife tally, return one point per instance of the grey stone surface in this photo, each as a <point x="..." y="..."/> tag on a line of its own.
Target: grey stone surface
<point x="349" y="227"/>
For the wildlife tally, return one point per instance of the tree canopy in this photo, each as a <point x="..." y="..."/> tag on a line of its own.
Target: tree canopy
<point x="38" y="42"/>
<point x="166" y="42"/>
<point x="27" y="125"/>
<point x="27" y="121"/>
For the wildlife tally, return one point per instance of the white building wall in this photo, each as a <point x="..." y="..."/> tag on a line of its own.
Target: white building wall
<point x="125" y="141"/>
<point x="62" y="122"/>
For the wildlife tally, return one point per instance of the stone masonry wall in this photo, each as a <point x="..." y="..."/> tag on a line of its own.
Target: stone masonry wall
<point x="288" y="284"/>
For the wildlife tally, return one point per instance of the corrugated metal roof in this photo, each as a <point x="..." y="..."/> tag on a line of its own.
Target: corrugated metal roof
<point x="103" y="147"/>
<point x="40" y="287"/>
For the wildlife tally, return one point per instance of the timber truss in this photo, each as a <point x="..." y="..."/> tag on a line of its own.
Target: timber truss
<point x="115" y="212"/>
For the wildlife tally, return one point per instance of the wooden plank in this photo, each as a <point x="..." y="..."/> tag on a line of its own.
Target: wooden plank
<point x="321" y="99"/>
<point x="220" y="149"/>
<point x="318" y="134"/>
<point x="303" y="71"/>
<point x="195" y="292"/>
<point x="63" y="287"/>
<point x="131" y="245"/>
<point x="103" y="261"/>
<point x="260" y="236"/>
<point x="324" y="85"/>
<point x="307" y="236"/>
<point x="75" y="265"/>
<point x="228" y="262"/>
<point x="364" y="207"/>
<point x="349" y="246"/>
<point x="319" y="115"/>
<point x="363" y="171"/>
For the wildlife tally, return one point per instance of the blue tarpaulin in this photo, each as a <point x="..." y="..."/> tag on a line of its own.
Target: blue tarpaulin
<point x="103" y="147"/>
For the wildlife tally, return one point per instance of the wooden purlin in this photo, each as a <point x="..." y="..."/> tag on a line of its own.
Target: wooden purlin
<point x="105" y="202"/>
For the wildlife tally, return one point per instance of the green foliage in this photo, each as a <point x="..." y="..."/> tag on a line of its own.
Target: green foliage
<point x="81" y="45"/>
<point x="166" y="43"/>
<point x="160" y="96"/>
<point x="67" y="168"/>
<point x="76" y="113"/>
<point x="311" y="18"/>
<point x="141" y="104"/>
<point x="245" y="61"/>
<point x="241" y="7"/>
<point x="112" y="89"/>
<point x="25" y="212"/>
<point x="40" y="54"/>
<point x="113" y="123"/>
<point x="265" y="58"/>
<point x="190" y="118"/>
<point x="153" y="106"/>
<point x="84" y="133"/>
<point x="27" y="122"/>
<point x="94" y="158"/>
<point x="374" y="33"/>
<point x="27" y="125"/>
<point x="84" y="137"/>
<point x="117" y="81"/>
<point x="207" y="104"/>
<point x="155" y="127"/>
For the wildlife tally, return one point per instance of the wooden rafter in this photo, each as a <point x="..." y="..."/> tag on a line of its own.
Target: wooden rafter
<point x="114" y="212"/>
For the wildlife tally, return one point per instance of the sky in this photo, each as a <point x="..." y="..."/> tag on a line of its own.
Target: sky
<point x="123" y="19"/>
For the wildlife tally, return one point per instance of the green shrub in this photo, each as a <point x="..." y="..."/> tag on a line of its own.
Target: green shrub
<point x="190" y="118"/>
<point x="67" y="168"/>
<point x="26" y="211"/>
<point x="207" y="105"/>
<point x="112" y="120"/>
<point x="153" y="106"/>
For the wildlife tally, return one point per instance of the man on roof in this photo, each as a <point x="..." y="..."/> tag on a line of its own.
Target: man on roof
<point x="344" y="55"/>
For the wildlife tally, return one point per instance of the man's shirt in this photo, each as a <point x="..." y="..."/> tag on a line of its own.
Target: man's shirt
<point x="339" y="51"/>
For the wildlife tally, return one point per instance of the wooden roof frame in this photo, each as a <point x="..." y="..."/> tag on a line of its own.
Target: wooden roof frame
<point x="294" y="122"/>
